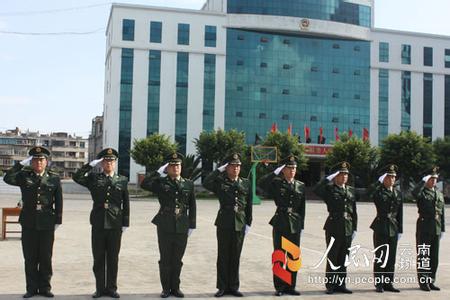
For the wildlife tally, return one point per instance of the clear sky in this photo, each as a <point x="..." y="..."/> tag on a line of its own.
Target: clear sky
<point x="54" y="82"/>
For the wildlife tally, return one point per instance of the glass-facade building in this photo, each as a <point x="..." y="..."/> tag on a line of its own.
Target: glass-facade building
<point x="297" y="80"/>
<point x="243" y="64"/>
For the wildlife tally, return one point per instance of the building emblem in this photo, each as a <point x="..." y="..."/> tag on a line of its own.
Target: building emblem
<point x="304" y="24"/>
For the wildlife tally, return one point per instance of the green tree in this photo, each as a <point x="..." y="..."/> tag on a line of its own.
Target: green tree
<point x="190" y="169"/>
<point x="228" y="142"/>
<point x="362" y="157"/>
<point x="206" y="146"/>
<point x="152" y="151"/>
<point x="442" y="152"/>
<point x="287" y="144"/>
<point x="411" y="152"/>
<point x="214" y="146"/>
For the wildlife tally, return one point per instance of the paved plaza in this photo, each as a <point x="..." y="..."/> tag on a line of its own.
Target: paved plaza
<point x="138" y="269"/>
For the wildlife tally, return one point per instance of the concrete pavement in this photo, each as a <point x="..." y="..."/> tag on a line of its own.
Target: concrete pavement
<point x="138" y="270"/>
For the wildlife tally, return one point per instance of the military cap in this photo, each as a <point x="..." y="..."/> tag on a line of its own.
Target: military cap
<point x="38" y="152"/>
<point x="108" y="154"/>
<point x="174" y="158"/>
<point x="289" y="161"/>
<point x="389" y="169"/>
<point x="433" y="172"/>
<point x="233" y="159"/>
<point x="342" y="167"/>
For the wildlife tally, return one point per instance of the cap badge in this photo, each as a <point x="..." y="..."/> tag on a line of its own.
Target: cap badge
<point x="174" y="156"/>
<point x="235" y="156"/>
<point x="38" y="149"/>
<point x="109" y="151"/>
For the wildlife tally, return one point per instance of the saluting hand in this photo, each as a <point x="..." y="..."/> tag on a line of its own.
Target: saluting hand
<point x="162" y="170"/>
<point x="331" y="177"/>
<point x="222" y="168"/>
<point x="279" y="169"/>
<point x="26" y="162"/>
<point x="95" y="162"/>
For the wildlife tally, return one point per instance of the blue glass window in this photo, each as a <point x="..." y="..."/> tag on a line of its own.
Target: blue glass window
<point x="447" y="58"/>
<point x="126" y="96"/>
<point x="181" y="100"/>
<point x="210" y="36"/>
<point x="330" y="10"/>
<point x="428" y="56"/>
<point x="183" y="34"/>
<point x="383" y="103"/>
<point x="154" y="86"/>
<point x="406" y="54"/>
<point x="298" y="79"/>
<point x="209" y="91"/>
<point x="383" y="52"/>
<point x="428" y="105"/>
<point x="127" y="30"/>
<point x="447" y="106"/>
<point x="155" y="32"/>
<point x="406" y="101"/>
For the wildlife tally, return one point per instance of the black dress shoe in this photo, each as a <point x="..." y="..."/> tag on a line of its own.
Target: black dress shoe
<point x="28" y="295"/>
<point x="391" y="288"/>
<point x="219" y="293"/>
<point x="433" y="287"/>
<point x="97" y="294"/>
<point x="379" y="289"/>
<point x="278" y="293"/>
<point x="177" y="293"/>
<point x="164" y="294"/>
<point x="47" y="294"/>
<point x="330" y="290"/>
<point x="114" y="294"/>
<point x="292" y="292"/>
<point x="236" y="293"/>
<point x="344" y="290"/>
<point x="425" y="287"/>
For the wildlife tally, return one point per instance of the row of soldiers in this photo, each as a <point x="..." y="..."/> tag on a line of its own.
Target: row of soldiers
<point x="176" y="219"/>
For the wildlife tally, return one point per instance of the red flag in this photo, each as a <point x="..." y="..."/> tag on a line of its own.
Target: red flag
<point x="365" y="134"/>
<point x="274" y="128"/>
<point x="336" y="135"/>
<point x="350" y="133"/>
<point x="307" y="134"/>
<point x="289" y="130"/>
<point x="320" y="135"/>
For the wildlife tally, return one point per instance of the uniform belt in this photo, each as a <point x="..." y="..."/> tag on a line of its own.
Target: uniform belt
<point x="437" y="216"/>
<point x="172" y="210"/>
<point x="389" y="215"/>
<point x="285" y="209"/>
<point x="344" y="215"/>
<point x="235" y="207"/>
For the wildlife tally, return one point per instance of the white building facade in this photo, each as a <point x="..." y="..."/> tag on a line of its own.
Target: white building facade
<point x="235" y="64"/>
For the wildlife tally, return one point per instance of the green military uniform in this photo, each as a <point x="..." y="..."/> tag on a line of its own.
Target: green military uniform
<point x="176" y="215"/>
<point x="430" y="226"/>
<point x="110" y="212"/>
<point x="386" y="226"/>
<point x="340" y="224"/>
<point x="289" y="218"/>
<point x="42" y="209"/>
<point x="234" y="214"/>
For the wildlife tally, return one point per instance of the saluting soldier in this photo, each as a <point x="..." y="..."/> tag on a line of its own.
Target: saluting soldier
<point x="430" y="228"/>
<point x="387" y="228"/>
<point x="41" y="214"/>
<point x="289" y="219"/>
<point x="233" y="221"/>
<point x="110" y="216"/>
<point x="340" y="225"/>
<point x="175" y="220"/>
